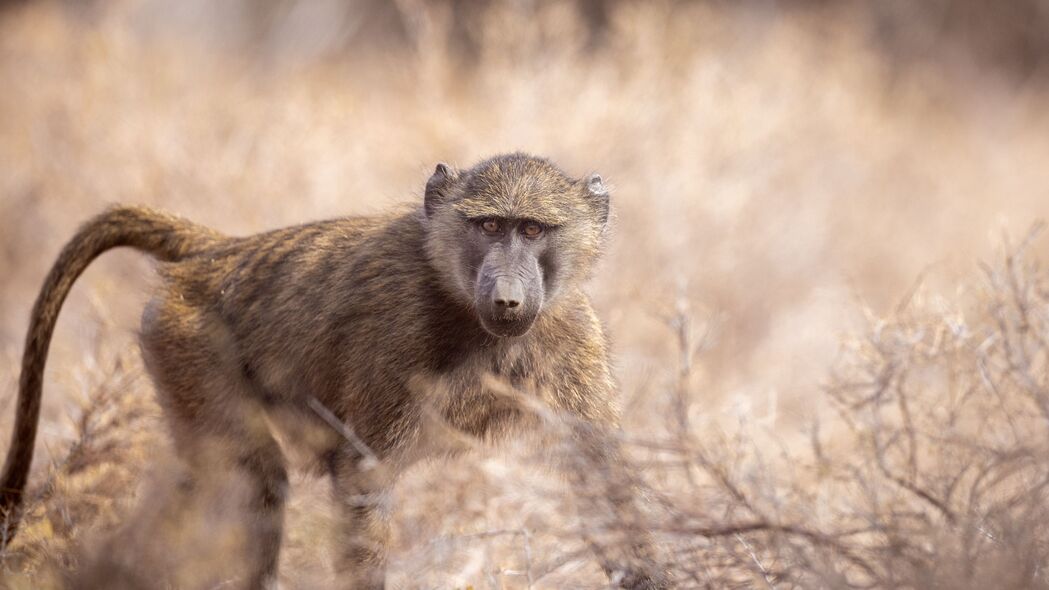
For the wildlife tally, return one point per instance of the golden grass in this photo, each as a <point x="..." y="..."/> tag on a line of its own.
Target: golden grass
<point x="778" y="189"/>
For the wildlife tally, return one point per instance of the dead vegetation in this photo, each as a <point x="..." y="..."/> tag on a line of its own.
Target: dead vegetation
<point x="931" y="473"/>
<point x="791" y="420"/>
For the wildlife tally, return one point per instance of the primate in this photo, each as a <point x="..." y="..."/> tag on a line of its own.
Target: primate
<point x="366" y="327"/>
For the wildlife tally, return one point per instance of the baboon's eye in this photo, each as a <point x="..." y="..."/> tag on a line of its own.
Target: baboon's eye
<point x="532" y="229"/>
<point x="491" y="226"/>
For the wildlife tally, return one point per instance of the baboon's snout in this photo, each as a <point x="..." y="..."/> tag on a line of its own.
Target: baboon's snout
<point x="508" y="294"/>
<point x="508" y="304"/>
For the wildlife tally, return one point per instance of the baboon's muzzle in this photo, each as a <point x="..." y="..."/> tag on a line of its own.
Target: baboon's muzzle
<point x="508" y="304"/>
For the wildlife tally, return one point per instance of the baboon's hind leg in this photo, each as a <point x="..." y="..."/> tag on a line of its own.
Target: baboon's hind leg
<point x="361" y="493"/>
<point x="218" y="427"/>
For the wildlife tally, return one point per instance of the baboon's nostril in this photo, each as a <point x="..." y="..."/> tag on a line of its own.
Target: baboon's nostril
<point x="508" y="293"/>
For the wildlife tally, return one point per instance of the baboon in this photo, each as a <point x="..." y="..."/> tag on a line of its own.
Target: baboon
<point x="364" y="327"/>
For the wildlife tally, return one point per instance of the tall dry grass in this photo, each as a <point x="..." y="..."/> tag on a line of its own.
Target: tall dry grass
<point x="780" y="185"/>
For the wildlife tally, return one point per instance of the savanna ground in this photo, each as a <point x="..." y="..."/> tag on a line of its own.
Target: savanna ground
<point x="831" y="327"/>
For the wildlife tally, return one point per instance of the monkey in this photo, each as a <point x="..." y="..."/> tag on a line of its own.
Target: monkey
<point x="363" y="327"/>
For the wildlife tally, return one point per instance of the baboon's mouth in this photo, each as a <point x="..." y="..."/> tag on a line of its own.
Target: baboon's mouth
<point x="507" y="326"/>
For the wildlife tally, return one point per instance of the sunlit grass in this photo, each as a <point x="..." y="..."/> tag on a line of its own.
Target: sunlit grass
<point x="778" y="188"/>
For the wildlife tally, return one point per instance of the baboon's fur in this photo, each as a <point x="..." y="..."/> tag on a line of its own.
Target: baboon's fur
<point x="367" y="320"/>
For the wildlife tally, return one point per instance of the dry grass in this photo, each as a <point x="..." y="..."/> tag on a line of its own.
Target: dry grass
<point x="801" y="413"/>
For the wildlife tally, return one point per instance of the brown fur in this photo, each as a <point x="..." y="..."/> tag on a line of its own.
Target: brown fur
<point x="367" y="321"/>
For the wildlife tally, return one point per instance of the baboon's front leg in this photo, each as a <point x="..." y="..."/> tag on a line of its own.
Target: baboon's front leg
<point x="608" y="490"/>
<point x="361" y="494"/>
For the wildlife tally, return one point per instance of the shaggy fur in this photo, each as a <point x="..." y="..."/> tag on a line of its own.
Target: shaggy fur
<point x="354" y="333"/>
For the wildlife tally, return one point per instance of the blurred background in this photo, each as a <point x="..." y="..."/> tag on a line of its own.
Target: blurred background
<point x="782" y="172"/>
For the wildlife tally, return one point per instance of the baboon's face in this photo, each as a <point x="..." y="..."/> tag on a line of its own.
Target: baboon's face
<point x="504" y="260"/>
<point x="510" y="234"/>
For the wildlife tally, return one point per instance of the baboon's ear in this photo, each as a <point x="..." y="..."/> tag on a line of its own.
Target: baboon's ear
<point x="598" y="193"/>
<point x="437" y="188"/>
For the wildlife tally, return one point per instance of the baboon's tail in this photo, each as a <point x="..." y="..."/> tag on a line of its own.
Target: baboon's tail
<point x="166" y="237"/>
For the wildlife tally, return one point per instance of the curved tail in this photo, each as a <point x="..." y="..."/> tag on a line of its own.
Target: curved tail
<point x="165" y="237"/>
